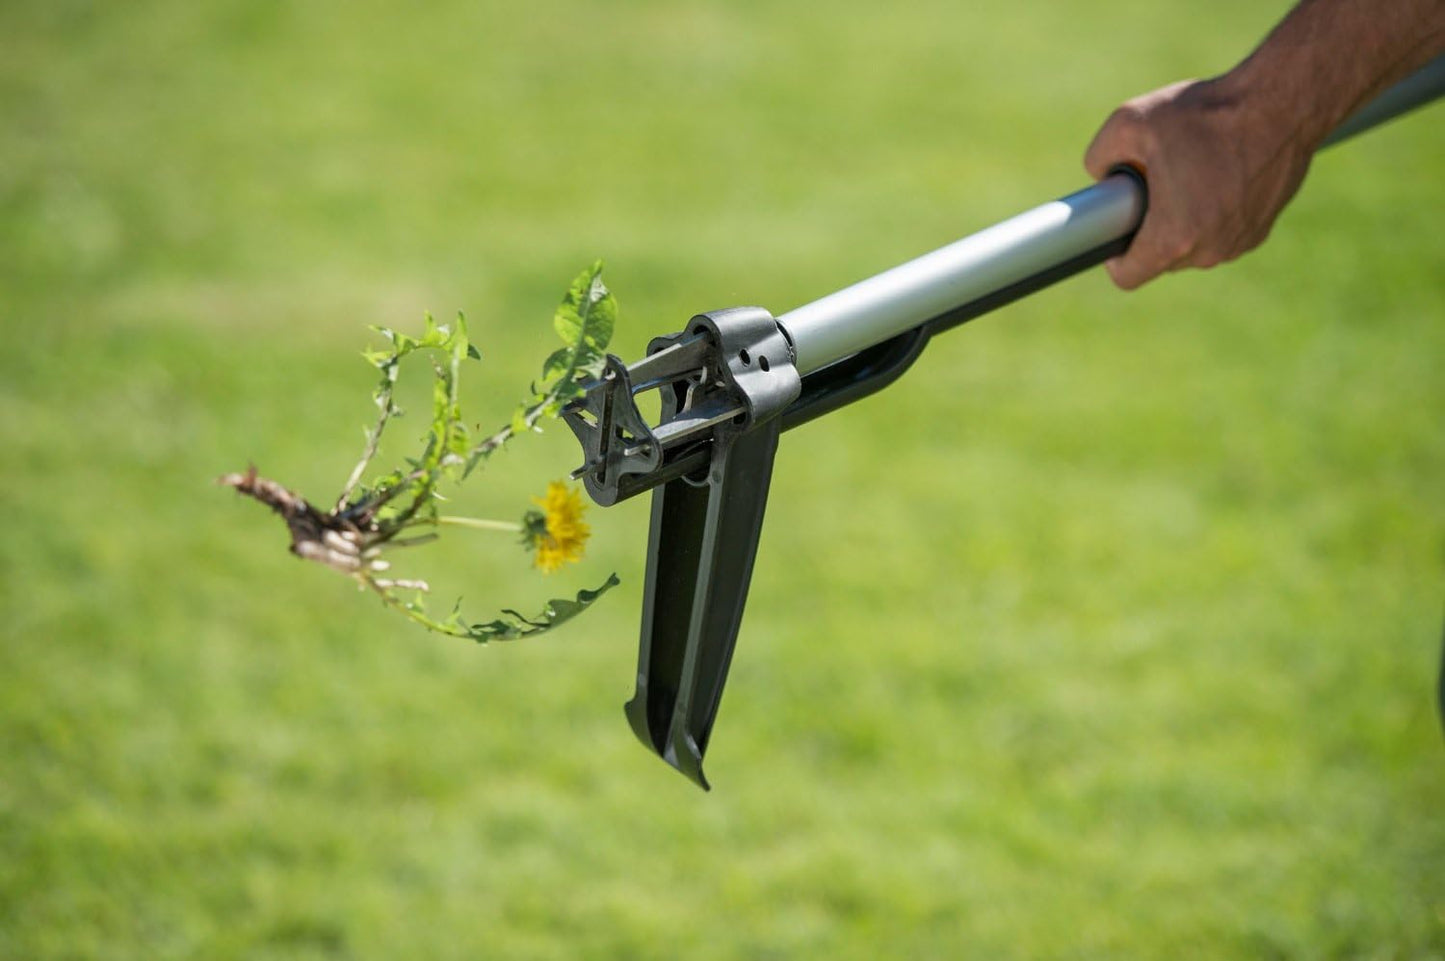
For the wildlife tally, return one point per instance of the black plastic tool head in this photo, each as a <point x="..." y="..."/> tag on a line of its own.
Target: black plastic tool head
<point x="723" y="383"/>
<point x="728" y="388"/>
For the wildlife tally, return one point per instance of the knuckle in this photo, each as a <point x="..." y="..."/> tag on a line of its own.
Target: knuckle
<point x="1129" y="114"/>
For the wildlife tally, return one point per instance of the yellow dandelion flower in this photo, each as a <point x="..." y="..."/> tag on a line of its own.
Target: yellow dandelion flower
<point x="556" y="533"/>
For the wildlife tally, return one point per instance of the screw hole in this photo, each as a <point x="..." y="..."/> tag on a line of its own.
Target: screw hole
<point x="743" y="356"/>
<point x="763" y="363"/>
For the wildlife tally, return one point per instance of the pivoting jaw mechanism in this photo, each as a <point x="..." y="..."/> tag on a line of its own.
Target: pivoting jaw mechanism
<point x="730" y="372"/>
<point x="723" y="382"/>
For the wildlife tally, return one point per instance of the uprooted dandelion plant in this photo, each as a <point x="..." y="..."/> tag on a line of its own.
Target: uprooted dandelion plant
<point x="369" y="521"/>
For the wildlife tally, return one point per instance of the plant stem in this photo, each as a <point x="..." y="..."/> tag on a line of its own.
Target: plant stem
<point x="480" y="523"/>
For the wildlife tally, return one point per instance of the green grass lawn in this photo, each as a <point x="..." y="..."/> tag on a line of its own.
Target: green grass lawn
<point x="1111" y="630"/>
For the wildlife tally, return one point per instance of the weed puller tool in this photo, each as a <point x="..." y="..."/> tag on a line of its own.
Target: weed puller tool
<point x="734" y="380"/>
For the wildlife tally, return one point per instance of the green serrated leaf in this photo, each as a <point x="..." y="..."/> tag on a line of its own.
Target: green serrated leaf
<point x="593" y="368"/>
<point x="569" y="390"/>
<point x="495" y="631"/>
<point x="557" y="612"/>
<point x="588" y="312"/>
<point x="460" y="343"/>
<point x="556" y="364"/>
<point x="458" y="443"/>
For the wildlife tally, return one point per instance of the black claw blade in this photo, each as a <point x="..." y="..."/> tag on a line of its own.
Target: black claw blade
<point x="702" y="544"/>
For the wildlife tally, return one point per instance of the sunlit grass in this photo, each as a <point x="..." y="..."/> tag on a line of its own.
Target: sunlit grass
<point x="1110" y="630"/>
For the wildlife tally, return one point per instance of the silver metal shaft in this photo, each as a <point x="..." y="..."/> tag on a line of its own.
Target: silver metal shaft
<point x="873" y="310"/>
<point x="900" y="299"/>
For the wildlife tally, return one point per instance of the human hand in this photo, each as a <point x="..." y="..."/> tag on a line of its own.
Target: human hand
<point x="1220" y="167"/>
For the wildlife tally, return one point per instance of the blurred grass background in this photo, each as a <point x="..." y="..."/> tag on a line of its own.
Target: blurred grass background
<point x="1111" y="630"/>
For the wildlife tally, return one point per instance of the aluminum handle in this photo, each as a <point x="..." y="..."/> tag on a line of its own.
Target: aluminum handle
<point x="869" y="312"/>
<point x="897" y="300"/>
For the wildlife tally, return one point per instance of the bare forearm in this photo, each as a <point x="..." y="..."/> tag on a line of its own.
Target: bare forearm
<point x="1224" y="156"/>
<point x="1329" y="57"/>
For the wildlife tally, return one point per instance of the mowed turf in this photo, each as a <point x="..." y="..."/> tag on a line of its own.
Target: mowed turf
<point x="1111" y="630"/>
